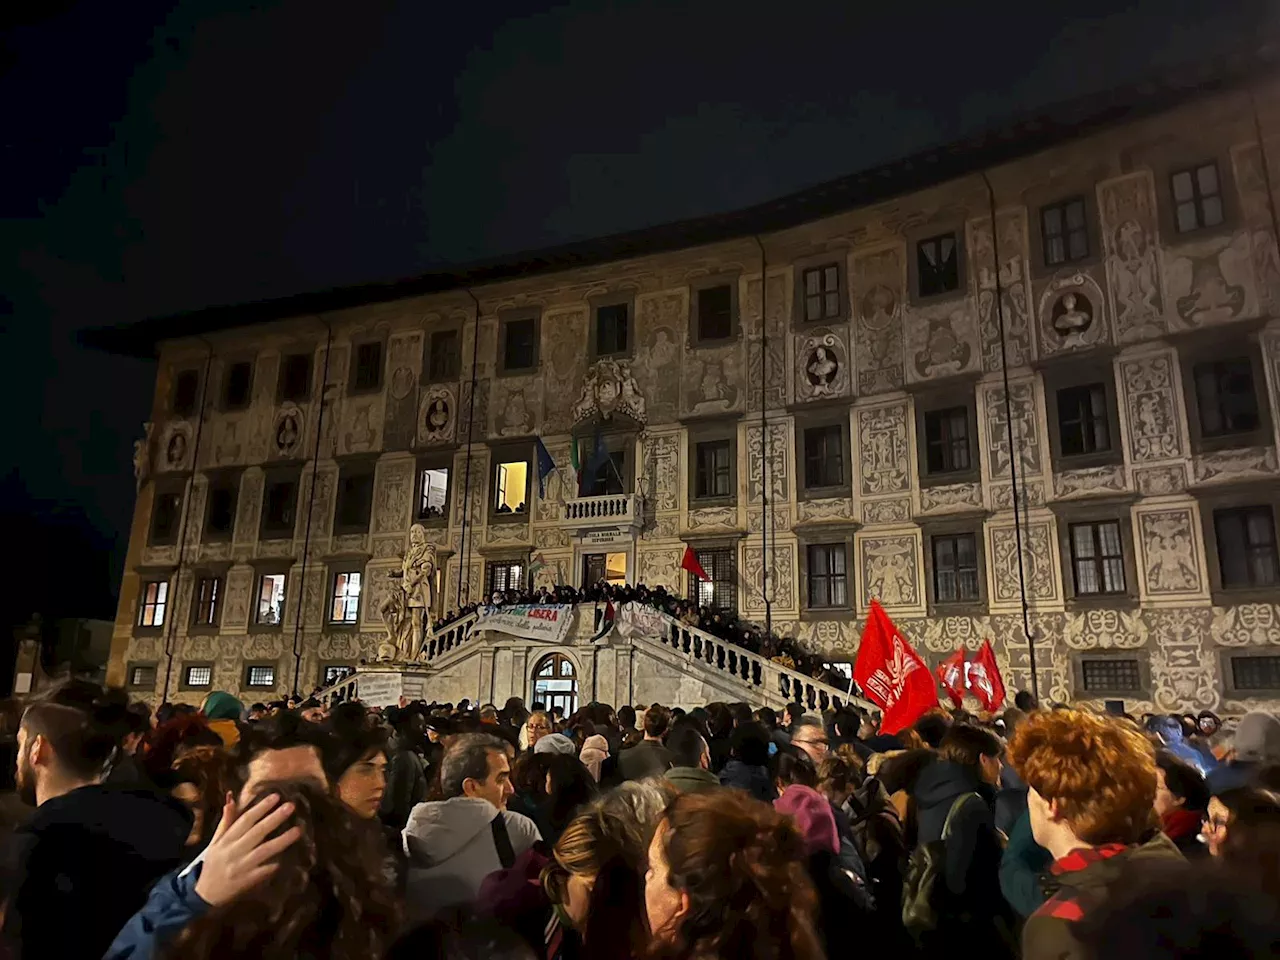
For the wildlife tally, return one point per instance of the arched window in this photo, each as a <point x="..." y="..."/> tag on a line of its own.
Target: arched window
<point x="555" y="683"/>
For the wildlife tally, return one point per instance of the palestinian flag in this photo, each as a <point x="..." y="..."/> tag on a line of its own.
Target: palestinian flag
<point x="604" y="621"/>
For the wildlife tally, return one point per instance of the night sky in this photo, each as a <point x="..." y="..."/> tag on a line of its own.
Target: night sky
<point x="160" y="157"/>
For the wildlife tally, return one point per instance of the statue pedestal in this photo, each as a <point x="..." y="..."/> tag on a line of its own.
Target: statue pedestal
<point x="383" y="684"/>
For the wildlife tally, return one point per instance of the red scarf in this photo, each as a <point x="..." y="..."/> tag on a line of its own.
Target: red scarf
<point x="1180" y="823"/>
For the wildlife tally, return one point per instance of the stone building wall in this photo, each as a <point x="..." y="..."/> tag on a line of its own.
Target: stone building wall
<point x="1144" y="304"/>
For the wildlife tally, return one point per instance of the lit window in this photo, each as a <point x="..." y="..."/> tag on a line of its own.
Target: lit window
<point x="504" y="575"/>
<point x="208" y="594"/>
<point x="434" y="501"/>
<point x="142" y="676"/>
<point x="609" y="567"/>
<point x="260" y="676"/>
<point x="720" y="593"/>
<point x="199" y="676"/>
<point x="155" y="598"/>
<point x="271" y="599"/>
<point x="334" y="672"/>
<point x="512" y="486"/>
<point x="346" y="598"/>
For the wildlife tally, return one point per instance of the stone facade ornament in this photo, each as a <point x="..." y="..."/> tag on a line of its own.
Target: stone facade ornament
<point x="609" y="388"/>
<point x="411" y="595"/>
<point x="142" y="456"/>
<point x="288" y="432"/>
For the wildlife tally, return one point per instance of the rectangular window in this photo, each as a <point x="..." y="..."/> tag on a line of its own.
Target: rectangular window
<point x="511" y="487"/>
<point x="946" y="440"/>
<point x="355" y="500"/>
<point x="955" y="568"/>
<point x="503" y="575"/>
<point x="1111" y="675"/>
<point x="186" y="393"/>
<point x="715" y="312"/>
<point x="938" y="265"/>
<point x="520" y="344"/>
<point x="260" y="675"/>
<point x="155" y="599"/>
<point x="220" y="520"/>
<point x="368" y="372"/>
<point x="824" y="456"/>
<point x="608" y="478"/>
<point x="1246" y="546"/>
<point x="1097" y="557"/>
<point x="208" y="598"/>
<point x="345" y="605"/>
<point x="295" y="377"/>
<point x="445" y="358"/>
<point x="335" y="673"/>
<point x="1256" y="672"/>
<point x="1225" y="397"/>
<point x="828" y="575"/>
<point x="235" y="392"/>
<point x="612" y="322"/>
<point x="165" y="515"/>
<point x="433" y="494"/>
<point x="1197" y="197"/>
<point x="715" y="469"/>
<point x="720" y="593"/>
<point x="609" y="567"/>
<point x="142" y="675"/>
<point x="1083" y="426"/>
<point x="270" y="600"/>
<point x="821" y="292"/>
<point x="279" y="500"/>
<point x="1063" y="230"/>
<point x="197" y="676"/>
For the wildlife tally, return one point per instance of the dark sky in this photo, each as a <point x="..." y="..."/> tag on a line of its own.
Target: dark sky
<point x="160" y="157"/>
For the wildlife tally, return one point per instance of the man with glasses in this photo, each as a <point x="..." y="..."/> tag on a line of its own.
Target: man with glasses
<point x="810" y="737"/>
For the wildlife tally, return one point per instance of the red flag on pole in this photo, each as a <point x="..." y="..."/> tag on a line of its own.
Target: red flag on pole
<point x="892" y="674"/>
<point x="984" y="679"/>
<point x="690" y="563"/>
<point x="951" y="674"/>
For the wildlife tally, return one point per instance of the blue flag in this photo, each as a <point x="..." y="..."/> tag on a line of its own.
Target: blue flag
<point x="546" y="466"/>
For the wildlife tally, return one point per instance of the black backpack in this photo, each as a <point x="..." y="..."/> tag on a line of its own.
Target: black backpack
<point x="924" y="876"/>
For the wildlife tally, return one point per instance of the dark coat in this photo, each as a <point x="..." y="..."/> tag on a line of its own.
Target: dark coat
<point x="87" y="860"/>
<point x="750" y="779"/>
<point x="406" y="786"/>
<point x="646" y="759"/>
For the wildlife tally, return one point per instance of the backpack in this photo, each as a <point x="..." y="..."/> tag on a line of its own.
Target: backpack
<point x="924" y="870"/>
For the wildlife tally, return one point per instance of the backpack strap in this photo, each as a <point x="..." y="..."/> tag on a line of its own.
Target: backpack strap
<point x="502" y="841"/>
<point x="955" y="807"/>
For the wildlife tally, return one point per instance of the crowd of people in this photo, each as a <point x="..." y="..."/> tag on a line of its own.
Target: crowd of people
<point x="292" y="832"/>
<point x="723" y="625"/>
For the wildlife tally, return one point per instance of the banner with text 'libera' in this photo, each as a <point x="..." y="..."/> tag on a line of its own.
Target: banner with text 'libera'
<point x="535" y="621"/>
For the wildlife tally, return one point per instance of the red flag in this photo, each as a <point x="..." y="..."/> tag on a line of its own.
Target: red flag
<point x="892" y="674"/>
<point x="984" y="679"/>
<point x="690" y="563"/>
<point x="951" y="673"/>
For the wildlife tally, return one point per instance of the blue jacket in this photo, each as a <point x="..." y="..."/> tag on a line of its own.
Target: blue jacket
<point x="173" y="904"/>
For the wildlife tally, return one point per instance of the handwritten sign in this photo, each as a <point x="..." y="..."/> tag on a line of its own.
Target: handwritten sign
<point x="380" y="689"/>
<point x="535" y="621"/>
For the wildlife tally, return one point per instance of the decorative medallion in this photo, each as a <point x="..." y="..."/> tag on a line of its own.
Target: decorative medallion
<point x="288" y="432"/>
<point x="609" y="388"/>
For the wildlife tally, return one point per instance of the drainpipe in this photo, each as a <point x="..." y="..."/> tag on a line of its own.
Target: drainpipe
<point x="311" y="502"/>
<point x="186" y="519"/>
<point x="765" y="515"/>
<point x="1014" y="453"/>
<point x="465" y="544"/>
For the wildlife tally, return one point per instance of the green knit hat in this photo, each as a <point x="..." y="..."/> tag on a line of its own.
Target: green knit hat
<point x="221" y="705"/>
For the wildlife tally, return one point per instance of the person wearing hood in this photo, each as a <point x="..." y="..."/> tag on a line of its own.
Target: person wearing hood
<point x="1168" y="729"/>
<point x="556" y="744"/>
<point x="594" y="752"/>
<point x="1256" y="744"/>
<point x="748" y="766"/>
<point x="1091" y="787"/>
<point x="955" y="804"/>
<point x="454" y="843"/>
<point x="1182" y="798"/>
<point x="91" y="851"/>
<point x="223" y="711"/>
<point x="692" y="758"/>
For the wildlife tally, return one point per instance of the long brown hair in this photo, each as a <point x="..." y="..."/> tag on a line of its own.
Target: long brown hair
<point x="742" y="866"/>
<point x="329" y="899"/>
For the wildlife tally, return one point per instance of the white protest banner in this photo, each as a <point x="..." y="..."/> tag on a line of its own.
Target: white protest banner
<point x="381" y="689"/>
<point x="642" y="620"/>
<point x="535" y="621"/>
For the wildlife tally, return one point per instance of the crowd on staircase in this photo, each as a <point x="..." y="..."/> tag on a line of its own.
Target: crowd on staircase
<point x="295" y="832"/>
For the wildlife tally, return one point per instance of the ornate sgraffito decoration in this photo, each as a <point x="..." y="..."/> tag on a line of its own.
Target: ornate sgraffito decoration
<point x="1130" y="241"/>
<point x="1154" y="432"/>
<point x="609" y="388"/>
<point x="942" y="340"/>
<point x="878" y="287"/>
<point x="1254" y="191"/>
<point x="287" y="433"/>
<point x="889" y="570"/>
<point x="882" y="440"/>
<point x="1169" y="547"/>
<point x="1014" y="287"/>
<point x="437" y="415"/>
<point x="1211" y="282"/>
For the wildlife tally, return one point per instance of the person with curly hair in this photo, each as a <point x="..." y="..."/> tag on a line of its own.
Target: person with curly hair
<point x="727" y="881"/>
<point x="200" y="779"/>
<point x="1092" y="786"/>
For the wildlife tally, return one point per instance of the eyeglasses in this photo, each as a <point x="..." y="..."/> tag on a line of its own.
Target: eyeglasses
<point x="816" y="743"/>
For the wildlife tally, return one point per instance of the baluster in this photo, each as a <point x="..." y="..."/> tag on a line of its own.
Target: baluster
<point x="719" y="657"/>
<point x="744" y="667"/>
<point x="733" y="663"/>
<point x="686" y="642"/>
<point x="783" y="687"/>
<point x="822" y="699"/>
<point x="809" y="695"/>
<point x="697" y="647"/>
<point x="756" y="672"/>
<point x="710" y="657"/>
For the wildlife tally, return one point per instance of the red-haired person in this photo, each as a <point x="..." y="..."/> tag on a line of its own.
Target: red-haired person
<point x="1092" y="784"/>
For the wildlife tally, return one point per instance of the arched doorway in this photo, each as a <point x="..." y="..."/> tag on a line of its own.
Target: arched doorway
<point x="555" y="683"/>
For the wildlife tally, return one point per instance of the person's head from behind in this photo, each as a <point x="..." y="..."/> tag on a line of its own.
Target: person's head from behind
<point x="838" y="778"/>
<point x="719" y="720"/>
<point x="727" y="878"/>
<point x="932" y="727"/>
<point x="847" y="722"/>
<point x="975" y="748"/>
<point x="688" y="748"/>
<point x="537" y="726"/>
<point x="328" y="896"/>
<point x="657" y="720"/>
<point x="810" y="737"/>
<point x="749" y="744"/>
<point x="597" y="876"/>
<point x="791" y="766"/>
<point x="794" y="712"/>
<point x="60" y="747"/>
<point x="1092" y="779"/>
<point x="200" y="780"/>
<point x="767" y="716"/>
<point x="627" y="717"/>
<point x="1179" y="786"/>
<point x="457" y="934"/>
<point x="355" y="758"/>
<point x="1024" y="701"/>
<point x="282" y="748"/>
<point x="569" y="786"/>
<point x="476" y="766"/>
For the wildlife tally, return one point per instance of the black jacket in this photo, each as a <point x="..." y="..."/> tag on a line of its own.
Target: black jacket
<point x="406" y="786"/>
<point x="87" y="860"/>
<point x="646" y="759"/>
<point x="753" y="780"/>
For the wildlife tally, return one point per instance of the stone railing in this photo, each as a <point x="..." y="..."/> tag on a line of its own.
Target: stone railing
<point x="610" y="510"/>
<point x="447" y="639"/>
<point x="340" y="692"/>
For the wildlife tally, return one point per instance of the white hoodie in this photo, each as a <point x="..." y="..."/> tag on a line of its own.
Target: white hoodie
<point x="450" y="848"/>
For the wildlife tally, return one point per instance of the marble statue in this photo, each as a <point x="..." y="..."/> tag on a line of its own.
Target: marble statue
<point x="418" y="582"/>
<point x="395" y="617"/>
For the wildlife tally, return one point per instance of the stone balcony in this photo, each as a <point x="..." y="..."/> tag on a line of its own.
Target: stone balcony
<point x="619" y="511"/>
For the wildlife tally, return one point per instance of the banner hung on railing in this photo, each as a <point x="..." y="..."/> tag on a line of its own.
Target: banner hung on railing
<point x="642" y="620"/>
<point x="534" y="621"/>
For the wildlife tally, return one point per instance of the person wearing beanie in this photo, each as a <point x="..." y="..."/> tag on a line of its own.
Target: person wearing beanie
<point x="1255" y="745"/>
<point x="812" y="813"/>
<point x="595" y="750"/>
<point x="223" y="711"/>
<point x="556" y="743"/>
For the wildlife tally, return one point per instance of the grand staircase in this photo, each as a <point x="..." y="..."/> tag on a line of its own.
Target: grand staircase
<point x="714" y="668"/>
